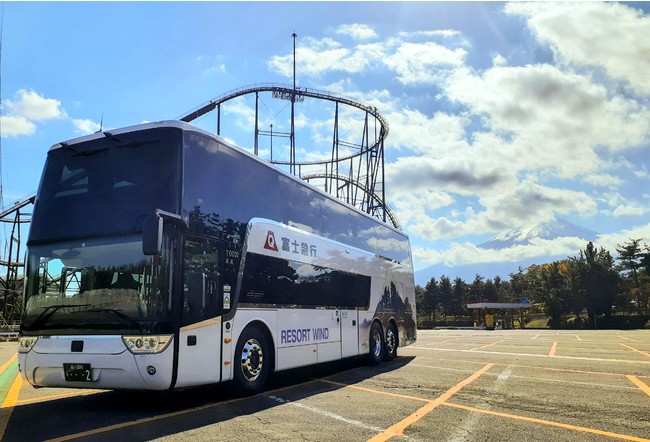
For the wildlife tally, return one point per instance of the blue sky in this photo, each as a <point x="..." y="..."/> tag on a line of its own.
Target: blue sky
<point x="501" y="115"/>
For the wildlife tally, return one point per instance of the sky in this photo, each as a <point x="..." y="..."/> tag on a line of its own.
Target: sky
<point x="501" y="115"/>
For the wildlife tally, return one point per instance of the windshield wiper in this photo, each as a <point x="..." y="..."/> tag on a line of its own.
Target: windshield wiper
<point x="50" y="310"/>
<point x="132" y="322"/>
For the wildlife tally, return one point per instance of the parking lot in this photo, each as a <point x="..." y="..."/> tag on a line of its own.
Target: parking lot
<point x="452" y="385"/>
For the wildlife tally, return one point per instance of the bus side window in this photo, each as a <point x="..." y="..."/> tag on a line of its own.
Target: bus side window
<point x="200" y="280"/>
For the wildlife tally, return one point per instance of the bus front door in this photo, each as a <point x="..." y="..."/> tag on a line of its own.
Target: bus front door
<point x="199" y="357"/>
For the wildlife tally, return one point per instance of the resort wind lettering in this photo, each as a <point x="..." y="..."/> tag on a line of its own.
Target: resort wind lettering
<point x="304" y="335"/>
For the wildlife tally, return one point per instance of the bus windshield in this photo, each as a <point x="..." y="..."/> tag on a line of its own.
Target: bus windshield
<point x="107" y="185"/>
<point x="101" y="285"/>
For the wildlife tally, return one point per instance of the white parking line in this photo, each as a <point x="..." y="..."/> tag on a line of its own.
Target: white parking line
<point x="623" y="361"/>
<point x="328" y="414"/>
<point x="505" y="374"/>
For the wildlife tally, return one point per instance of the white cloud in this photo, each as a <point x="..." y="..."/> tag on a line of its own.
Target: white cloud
<point x="419" y="62"/>
<point x="612" y="36"/>
<point x="467" y="253"/>
<point x="213" y="70"/>
<point x="632" y="209"/>
<point x="603" y="180"/>
<point x="412" y="62"/>
<point x="245" y="113"/>
<point x="453" y="174"/>
<point x="420" y="133"/>
<point x="16" y="125"/>
<point x="611" y="240"/>
<point x="35" y="107"/>
<point x="499" y="60"/>
<point x="506" y="204"/>
<point x="85" y="126"/>
<point x="435" y="33"/>
<point x="357" y="31"/>
<point x="315" y="57"/>
<point x="556" y="118"/>
<point x="27" y="109"/>
<point x="530" y="201"/>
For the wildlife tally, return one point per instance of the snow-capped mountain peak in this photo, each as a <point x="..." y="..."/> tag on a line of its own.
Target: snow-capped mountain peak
<point x="557" y="228"/>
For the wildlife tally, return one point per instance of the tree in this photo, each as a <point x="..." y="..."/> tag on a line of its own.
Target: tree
<point x="504" y="290"/>
<point x="459" y="296"/>
<point x="419" y="301"/>
<point x="476" y="289"/>
<point x="598" y="281"/>
<point x="446" y="294"/>
<point x="489" y="291"/>
<point x="431" y="299"/>
<point x="632" y="259"/>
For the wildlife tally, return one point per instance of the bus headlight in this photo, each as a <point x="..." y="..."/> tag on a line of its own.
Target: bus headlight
<point x="139" y="345"/>
<point x="25" y="344"/>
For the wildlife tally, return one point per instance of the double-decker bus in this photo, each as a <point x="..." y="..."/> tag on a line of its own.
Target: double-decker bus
<point x="160" y="256"/>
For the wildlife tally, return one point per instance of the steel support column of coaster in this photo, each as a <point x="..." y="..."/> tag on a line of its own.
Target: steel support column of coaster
<point x="12" y="265"/>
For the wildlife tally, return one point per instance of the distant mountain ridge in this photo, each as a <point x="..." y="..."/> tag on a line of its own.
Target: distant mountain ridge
<point x="557" y="228"/>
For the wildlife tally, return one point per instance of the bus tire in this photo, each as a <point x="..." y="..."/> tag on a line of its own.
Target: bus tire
<point x="390" y="353"/>
<point x="253" y="361"/>
<point x="376" y="341"/>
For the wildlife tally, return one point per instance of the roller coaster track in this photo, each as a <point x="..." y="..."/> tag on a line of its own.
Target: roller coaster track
<point x="375" y="199"/>
<point x="11" y="283"/>
<point x="280" y="88"/>
<point x="16" y="207"/>
<point x="373" y="202"/>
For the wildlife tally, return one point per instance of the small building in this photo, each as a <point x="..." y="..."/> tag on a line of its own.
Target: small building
<point x="499" y="315"/>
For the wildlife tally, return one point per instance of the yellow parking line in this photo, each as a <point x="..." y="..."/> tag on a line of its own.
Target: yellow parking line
<point x="636" y="350"/>
<point x="578" y="338"/>
<point x="150" y="419"/>
<point x="9" y="403"/>
<point x="7" y="364"/>
<point x="398" y="428"/>
<point x="553" y="349"/>
<point x="639" y="383"/>
<point x="370" y="390"/>
<point x="143" y="420"/>
<point x="58" y="396"/>
<point x="550" y="423"/>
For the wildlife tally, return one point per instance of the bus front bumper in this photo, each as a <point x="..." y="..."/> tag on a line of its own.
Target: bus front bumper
<point x="106" y="364"/>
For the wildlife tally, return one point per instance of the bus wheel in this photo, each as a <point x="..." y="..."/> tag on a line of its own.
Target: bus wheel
<point x="252" y="362"/>
<point x="376" y="344"/>
<point x="391" y="343"/>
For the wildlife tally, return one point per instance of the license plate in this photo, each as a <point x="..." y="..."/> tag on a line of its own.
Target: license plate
<point x="77" y="372"/>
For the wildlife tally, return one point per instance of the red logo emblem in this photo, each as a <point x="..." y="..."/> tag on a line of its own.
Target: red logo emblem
<point x="270" y="243"/>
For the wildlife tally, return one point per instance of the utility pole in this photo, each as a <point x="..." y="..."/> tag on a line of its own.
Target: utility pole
<point x="292" y="153"/>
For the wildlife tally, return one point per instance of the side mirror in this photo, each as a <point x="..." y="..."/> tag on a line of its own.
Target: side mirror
<point x="152" y="235"/>
<point x="152" y="230"/>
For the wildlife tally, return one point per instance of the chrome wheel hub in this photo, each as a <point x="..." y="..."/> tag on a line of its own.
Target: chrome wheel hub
<point x="252" y="360"/>
<point x="376" y="337"/>
<point x="391" y="340"/>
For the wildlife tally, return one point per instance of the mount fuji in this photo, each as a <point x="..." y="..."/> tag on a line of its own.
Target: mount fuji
<point x="522" y="236"/>
<point x="557" y="228"/>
